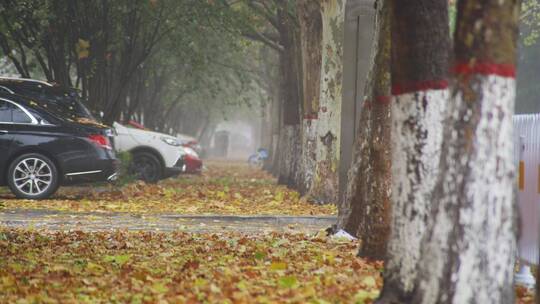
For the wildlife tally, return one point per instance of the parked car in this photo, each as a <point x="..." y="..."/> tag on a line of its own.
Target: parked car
<point x="153" y="158"/>
<point x="192" y="160"/>
<point x="154" y="155"/>
<point x="185" y="140"/>
<point x="42" y="149"/>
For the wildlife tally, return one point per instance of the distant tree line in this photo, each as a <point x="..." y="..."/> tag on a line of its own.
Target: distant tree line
<point x="173" y="65"/>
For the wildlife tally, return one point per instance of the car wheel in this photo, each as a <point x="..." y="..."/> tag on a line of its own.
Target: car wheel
<point x="32" y="176"/>
<point x="146" y="167"/>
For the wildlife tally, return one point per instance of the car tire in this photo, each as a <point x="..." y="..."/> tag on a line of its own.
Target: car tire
<point x="33" y="176"/>
<point x="145" y="166"/>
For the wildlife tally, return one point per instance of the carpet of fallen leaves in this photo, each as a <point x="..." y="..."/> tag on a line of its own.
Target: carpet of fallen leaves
<point x="224" y="188"/>
<point x="150" y="267"/>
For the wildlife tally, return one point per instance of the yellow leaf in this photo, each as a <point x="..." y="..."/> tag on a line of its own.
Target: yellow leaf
<point x="200" y="282"/>
<point x="84" y="43"/>
<point x="288" y="282"/>
<point x="369" y="281"/>
<point x="242" y="285"/>
<point x="82" y="48"/>
<point x="8" y="282"/>
<point x="362" y="295"/>
<point x="159" y="288"/>
<point x="94" y="268"/>
<point x="278" y="266"/>
<point x="214" y="288"/>
<point x="279" y="196"/>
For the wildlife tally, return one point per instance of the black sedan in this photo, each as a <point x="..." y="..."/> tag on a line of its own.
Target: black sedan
<point x="41" y="150"/>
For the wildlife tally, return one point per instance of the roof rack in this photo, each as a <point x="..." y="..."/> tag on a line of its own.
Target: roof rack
<point x="27" y="79"/>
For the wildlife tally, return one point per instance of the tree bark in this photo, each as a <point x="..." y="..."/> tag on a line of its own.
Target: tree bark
<point x="469" y="252"/>
<point x="419" y="66"/>
<point x="374" y="214"/>
<point x="289" y="137"/>
<point x="368" y="195"/>
<point x="359" y="175"/>
<point x="311" y="36"/>
<point x="324" y="188"/>
<point x="321" y="36"/>
<point x="311" y="27"/>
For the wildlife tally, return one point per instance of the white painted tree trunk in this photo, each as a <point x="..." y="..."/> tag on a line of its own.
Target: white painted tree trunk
<point x="309" y="157"/>
<point x="324" y="187"/>
<point x="417" y="136"/>
<point x="468" y="257"/>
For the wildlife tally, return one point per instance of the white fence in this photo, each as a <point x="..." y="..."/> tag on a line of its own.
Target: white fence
<point x="527" y="158"/>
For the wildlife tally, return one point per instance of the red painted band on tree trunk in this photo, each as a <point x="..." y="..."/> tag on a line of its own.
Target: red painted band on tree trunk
<point x="310" y="116"/>
<point x="485" y="68"/>
<point x="383" y="99"/>
<point x="403" y="88"/>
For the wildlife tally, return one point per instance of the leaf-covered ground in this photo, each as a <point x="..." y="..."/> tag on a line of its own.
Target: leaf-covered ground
<point x="117" y="266"/>
<point x="147" y="267"/>
<point x="224" y="188"/>
<point x="150" y="267"/>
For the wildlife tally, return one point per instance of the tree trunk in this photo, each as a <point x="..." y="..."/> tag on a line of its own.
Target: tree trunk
<point x="368" y="195"/>
<point x="289" y="137"/>
<point x="289" y="146"/>
<point x="321" y="36"/>
<point x="310" y="21"/>
<point x="359" y="175"/>
<point x="325" y="183"/>
<point x="420" y="40"/>
<point x="468" y="254"/>
<point x="374" y="213"/>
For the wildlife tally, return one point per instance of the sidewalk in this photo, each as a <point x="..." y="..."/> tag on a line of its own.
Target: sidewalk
<point x="95" y="221"/>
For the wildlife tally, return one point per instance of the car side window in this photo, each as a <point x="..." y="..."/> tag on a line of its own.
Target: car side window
<point x="18" y="115"/>
<point x="10" y="113"/>
<point x="5" y="111"/>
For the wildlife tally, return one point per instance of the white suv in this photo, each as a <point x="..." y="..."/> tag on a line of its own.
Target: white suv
<point x="154" y="155"/>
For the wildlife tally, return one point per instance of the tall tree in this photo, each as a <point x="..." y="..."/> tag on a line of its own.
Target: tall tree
<point x="102" y="43"/>
<point x="321" y="36"/>
<point x="469" y="252"/>
<point x="367" y="199"/>
<point x="290" y="135"/>
<point x="325" y="183"/>
<point x="419" y="66"/>
<point x="311" y="36"/>
<point x="276" y="25"/>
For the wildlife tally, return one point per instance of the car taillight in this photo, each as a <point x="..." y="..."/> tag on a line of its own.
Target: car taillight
<point x="101" y="141"/>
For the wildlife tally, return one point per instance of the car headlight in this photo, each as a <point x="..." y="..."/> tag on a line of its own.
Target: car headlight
<point x="190" y="152"/>
<point x="170" y="141"/>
